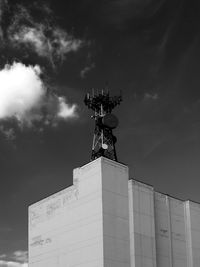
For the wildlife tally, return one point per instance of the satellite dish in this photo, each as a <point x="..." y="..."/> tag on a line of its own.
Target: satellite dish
<point x="104" y="146"/>
<point x="110" y="121"/>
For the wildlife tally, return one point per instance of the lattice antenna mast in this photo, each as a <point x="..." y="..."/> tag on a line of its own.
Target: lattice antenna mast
<point x="103" y="141"/>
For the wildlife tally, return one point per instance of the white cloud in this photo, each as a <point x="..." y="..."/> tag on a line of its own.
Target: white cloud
<point x="21" y="90"/>
<point x="65" y="110"/>
<point x="20" y="255"/>
<point x="64" y="43"/>
<point x="23" y="97"/>
<point x="18" y="258"/>
<point x="32" y="37"/>
<point x="4" y="263"/>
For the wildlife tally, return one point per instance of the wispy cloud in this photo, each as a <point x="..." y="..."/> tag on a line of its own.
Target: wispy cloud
<point x="54" y="46"/>
<point x="9" y="133"/>
<point x="20" y="255"/>
<point x="44" y="38"/>
<point x="150" y="96"/>
<point x="12" y="264"/>
<point x="86" y="70"/>
<point x="23" y="96"/>
<point x="18" y="258"/>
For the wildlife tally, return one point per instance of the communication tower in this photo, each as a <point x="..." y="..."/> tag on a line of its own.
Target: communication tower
<point x="103" y="141"/>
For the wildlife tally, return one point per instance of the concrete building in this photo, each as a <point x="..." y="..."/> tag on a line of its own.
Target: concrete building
<point x="164" y="231"/>
<point x="106" y="219"/>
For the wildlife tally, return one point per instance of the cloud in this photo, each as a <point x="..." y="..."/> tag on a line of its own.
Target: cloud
<point x="20" y="255"/>
<point x="64" y="43"/>
<point x="45" y="39"/>
<point x="9" y="133"/>
<point x="151" y="96"/>
<point x="4" y="263"/>
<point x="65" y="110"/>
<point x="55" y="46"/>
<point x="87" y="69"/>
<point x="23" y="96"/>
<point x="31" y="37"/>
<point x="18" y="258"/>
<point x="21" y="90"/>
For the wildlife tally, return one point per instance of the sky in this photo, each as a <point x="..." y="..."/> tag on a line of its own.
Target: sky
<point x="51" y="54"/>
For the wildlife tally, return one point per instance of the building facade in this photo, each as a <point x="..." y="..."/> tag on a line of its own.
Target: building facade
<point x="164" y="231"/>
<point x="106" y="219"/>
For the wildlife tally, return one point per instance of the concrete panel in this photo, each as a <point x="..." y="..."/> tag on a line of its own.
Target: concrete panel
<point x="163" y="230"/>
<point x="178" y="234"/>
<point x="142" y="226"/>
<point x="192" y="213"/>
<point x="115" y="214"/>
<point x="163" y="261"/>
<point x="170" y="231"/>
<point x="162" y="247"/>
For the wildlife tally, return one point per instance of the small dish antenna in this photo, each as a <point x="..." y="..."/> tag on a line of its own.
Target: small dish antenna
<point x="104" y="146"/>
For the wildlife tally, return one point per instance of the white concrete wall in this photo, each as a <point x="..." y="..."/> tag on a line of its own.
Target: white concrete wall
<point x="85" y="225"/>
<point x="66" y="228"/>
<point x="170" y="231"/>
<point x="192" y="211"/>
<point x="163" y="235"/>
<point x="164" y="231"/>
<point x="142" y="225"/>
<point x="178" y="234"/>
<point x="116" y="238"/>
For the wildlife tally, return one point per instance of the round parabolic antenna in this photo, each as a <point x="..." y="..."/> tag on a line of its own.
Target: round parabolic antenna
<point x="110" y="121"/>
<point x="104" y="146"/>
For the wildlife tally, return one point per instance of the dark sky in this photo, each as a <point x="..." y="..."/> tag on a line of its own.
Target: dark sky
<point x="149" y="49"/>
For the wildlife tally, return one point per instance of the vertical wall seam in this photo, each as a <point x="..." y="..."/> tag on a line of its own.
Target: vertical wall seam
<point x="154" y="215"/>
<point x="131" y="224"/>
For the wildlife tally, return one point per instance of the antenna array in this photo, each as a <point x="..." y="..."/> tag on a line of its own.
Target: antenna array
<point x="103" y="141"/>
